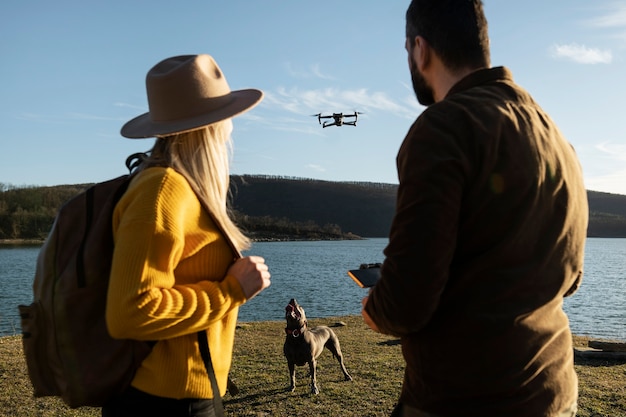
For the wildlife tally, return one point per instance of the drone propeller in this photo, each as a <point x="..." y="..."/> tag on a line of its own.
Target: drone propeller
<point x="319" y="117"/>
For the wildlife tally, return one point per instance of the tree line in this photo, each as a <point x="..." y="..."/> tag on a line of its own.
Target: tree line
<point x="27" y="213"/>
<point x="280" y="208"/>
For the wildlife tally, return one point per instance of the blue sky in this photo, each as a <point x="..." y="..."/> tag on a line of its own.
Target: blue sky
<point x="73" y="73"/>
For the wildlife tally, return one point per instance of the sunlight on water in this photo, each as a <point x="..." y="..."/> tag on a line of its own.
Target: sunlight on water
<point x="315" y="274"/>
<point x="599" y="307"/>
<point x="17" y="267"/>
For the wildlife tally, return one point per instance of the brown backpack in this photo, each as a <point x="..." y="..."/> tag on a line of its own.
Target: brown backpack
<point x="68" y="350"/>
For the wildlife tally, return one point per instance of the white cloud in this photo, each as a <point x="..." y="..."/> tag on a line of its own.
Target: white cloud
<point x="614" y="182"/>
<point x="130" y="106"/>
<point x="85" y="116"/>
<point x="318" y="73"/>
<point x="613" y="150"/>
<point x="317" y="168"/>
<point x="606" y="172"/>
<point x="314" y="71"/>
<point x="58" y="119"/>
<point x="335" y="100"/>
<point x="614" y="17"/>
<point x="582" y="54"/>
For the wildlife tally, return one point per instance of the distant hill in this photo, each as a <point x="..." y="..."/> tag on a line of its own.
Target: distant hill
<point x="366" y="209"/>
<point x="281" y="207"/>
<point x="607" y="214"/>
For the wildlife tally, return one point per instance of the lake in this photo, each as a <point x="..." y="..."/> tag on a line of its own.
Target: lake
<point x="315" y="274"/>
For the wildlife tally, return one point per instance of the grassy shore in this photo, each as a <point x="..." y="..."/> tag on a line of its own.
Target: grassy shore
<point x="21" y="242"/>
<point x="260" y="372"/>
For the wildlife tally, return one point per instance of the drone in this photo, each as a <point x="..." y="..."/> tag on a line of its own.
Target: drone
<point x="338" y="119"/>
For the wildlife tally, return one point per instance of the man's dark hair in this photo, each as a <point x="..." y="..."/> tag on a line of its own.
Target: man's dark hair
<point x="455" y="29"/>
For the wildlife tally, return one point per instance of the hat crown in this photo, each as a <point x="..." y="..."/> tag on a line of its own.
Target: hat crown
<point x="185" y="86"/>
<point x="188" y="92"/>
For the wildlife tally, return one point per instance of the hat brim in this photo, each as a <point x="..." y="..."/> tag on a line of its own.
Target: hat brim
<point x="143" y="126"/>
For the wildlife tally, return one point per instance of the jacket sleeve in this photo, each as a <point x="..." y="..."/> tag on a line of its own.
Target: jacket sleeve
<point x="432" y="171"/>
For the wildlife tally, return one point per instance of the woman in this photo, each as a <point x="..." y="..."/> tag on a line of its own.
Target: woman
<point x="176" y="271"/>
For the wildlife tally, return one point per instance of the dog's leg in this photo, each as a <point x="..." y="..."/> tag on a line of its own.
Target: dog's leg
<point x="312" y="366"/>
<point x="335" y="348"/>
<point x="292" y="376"/>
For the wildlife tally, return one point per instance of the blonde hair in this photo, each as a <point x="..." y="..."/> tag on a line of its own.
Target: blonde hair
<point x="203" y="157"/>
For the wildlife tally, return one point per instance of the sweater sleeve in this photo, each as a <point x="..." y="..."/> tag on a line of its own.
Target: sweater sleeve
<point x="169" y="266"/>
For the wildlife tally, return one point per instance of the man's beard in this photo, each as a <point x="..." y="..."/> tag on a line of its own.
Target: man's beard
<point x="423" y="91"/>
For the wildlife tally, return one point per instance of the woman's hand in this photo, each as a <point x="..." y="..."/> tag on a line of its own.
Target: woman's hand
<point x="252" y="273"/>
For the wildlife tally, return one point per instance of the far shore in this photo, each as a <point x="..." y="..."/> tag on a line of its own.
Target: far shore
<point x="266" y="238"/>
<point x="21" y="242"/>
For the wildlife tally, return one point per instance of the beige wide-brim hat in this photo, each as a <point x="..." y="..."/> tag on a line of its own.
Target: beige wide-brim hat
<point x="187" y="93"/>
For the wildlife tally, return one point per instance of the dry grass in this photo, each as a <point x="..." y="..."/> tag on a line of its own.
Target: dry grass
<point x="260" y="371"/>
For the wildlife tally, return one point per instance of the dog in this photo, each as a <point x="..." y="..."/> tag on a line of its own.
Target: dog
<point x="304" y="345"/>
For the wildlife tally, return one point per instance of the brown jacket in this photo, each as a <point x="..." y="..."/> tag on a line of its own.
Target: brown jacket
<point x="487" y="239"/>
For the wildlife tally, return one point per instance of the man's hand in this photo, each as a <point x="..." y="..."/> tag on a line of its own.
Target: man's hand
<point x="366" y="317"/>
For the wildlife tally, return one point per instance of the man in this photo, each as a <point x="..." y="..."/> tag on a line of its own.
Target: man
<point x="488" y="234"/>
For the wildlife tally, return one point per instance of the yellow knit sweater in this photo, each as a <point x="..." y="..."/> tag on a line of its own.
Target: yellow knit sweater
<point x="168" y="281"/>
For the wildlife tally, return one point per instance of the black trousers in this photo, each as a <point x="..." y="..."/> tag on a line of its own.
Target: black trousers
<point x="136" y="403"/>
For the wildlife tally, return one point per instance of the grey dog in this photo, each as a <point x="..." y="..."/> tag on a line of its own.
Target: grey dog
<point x="304" y="345"/>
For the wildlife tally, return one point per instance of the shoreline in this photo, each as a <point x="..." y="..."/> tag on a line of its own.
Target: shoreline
<point x="21" y="242"/>
<point x="268" y="238"/>
<point x="338" y="320"/>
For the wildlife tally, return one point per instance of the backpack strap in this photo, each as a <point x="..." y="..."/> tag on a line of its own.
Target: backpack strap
<point x="81" y="273"/>
<point x="203" y="342"/>
<point x="202" y="337"/>
<point x="206" y="358"/>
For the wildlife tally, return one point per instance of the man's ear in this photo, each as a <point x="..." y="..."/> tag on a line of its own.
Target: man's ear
<point x="422" y="53"/>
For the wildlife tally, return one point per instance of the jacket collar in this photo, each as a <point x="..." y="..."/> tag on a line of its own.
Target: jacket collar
<point x="480" y="77"/>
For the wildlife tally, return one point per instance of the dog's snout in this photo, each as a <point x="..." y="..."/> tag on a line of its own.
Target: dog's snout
<point x="291" y="307"/>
